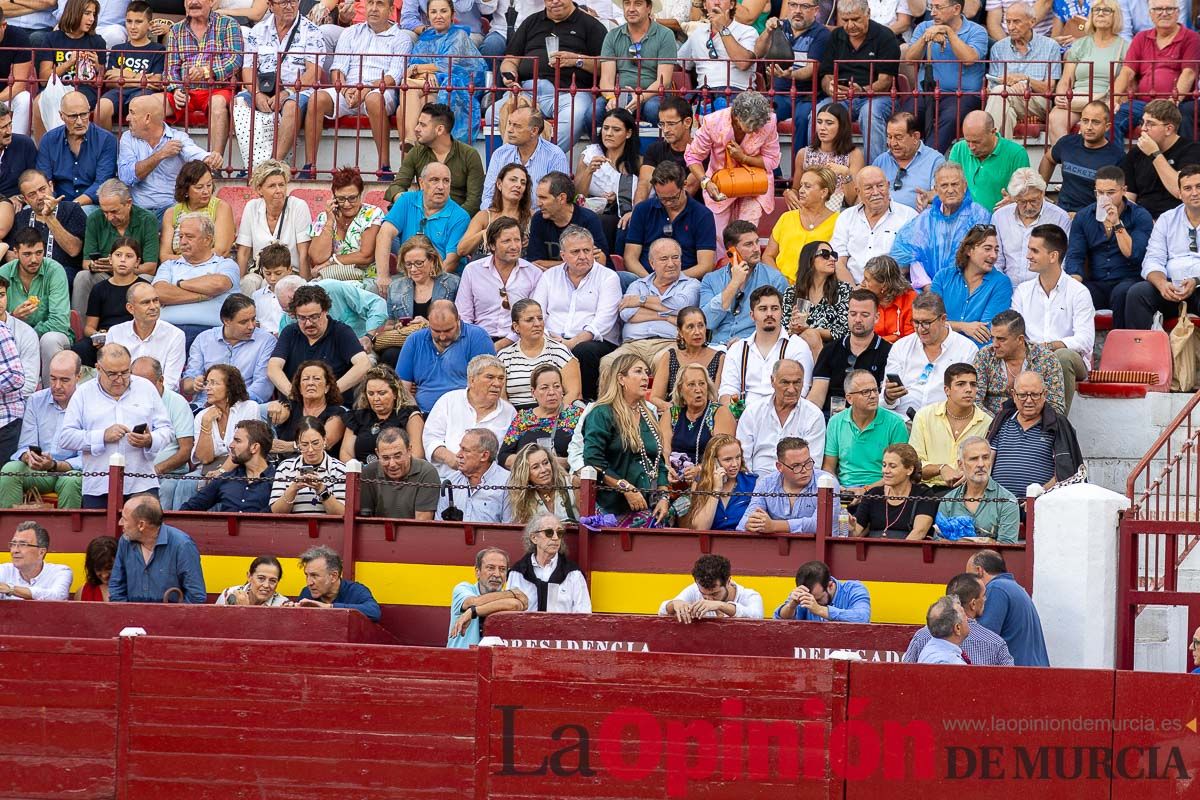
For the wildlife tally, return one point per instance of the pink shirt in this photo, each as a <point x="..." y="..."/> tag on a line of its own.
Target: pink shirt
<point x="1158" y="71"/>
<point x="479" y="299"/>
<point x="715" y="132"/>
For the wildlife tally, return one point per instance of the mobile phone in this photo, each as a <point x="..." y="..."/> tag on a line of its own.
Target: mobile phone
<point x="33" y="448"/>
<point x="143" y="428"/>
<point x="894" y="378"/>
<point x="307" y="470"/>
<point x="735" y="258"/>
<point x="509" y="77"/>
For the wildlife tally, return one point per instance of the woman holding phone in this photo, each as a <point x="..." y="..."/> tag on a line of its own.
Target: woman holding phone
<point x="313" y="482"/>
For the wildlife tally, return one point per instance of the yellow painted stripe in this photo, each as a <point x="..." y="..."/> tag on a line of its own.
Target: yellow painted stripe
<point x="612" y="592"/>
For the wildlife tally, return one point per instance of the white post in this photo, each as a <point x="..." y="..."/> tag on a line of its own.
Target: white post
<point x="116" y="460"/>
<point x="1075" y="574"/>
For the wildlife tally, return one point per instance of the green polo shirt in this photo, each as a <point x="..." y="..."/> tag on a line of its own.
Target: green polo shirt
<point x="50" y="286"/>
<point x="658" y="43"/>
<point x="860" y="452"/>
<point x="99" y="235"/>
<point x="994" y="520"/>
<point x="987" y="179"/>
<point x="466" y="174"/>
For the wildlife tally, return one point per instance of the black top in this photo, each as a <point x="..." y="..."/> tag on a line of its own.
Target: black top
<point x="421" y="309"/>
<point x="287" y="431"/>
<point x="108" y="303"/>
<point x="673" y="367"/>
<point x="335" y="348"/>
<point x="57" y="45"/>
<point x="885" y="521"/>
<point x="366" y="427"/>
<point x="20" y="53"/>
<point x="147" y="59"/>
<point x="836" y="360"/>
<point x="20" y="155"/>
<point x="69" y="214"/>
<point x="660" y="151"/>
<point x="1142" y="179"/>
<point x="878" y="55"/>
<point x="579" y="33"/>
<point x="543" y="234"/>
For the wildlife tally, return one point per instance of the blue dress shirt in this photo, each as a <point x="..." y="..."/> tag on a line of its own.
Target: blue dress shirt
<point x="682" y="293"/>
<point x="76" y="175"/>
<point x="250" y="357"/>
<point x="43" y="418"/>
<point x="940" y="651"/>
<point x="234" y="493"/>
<point x="175" y="563"/>
<point x="1089" y="246"/>
<point x="157" y="190"/>
<point x="917" y="175"/>
<point x="724" y="324"/>
<point x="546" y="158"/>
<point x="444" y="229"/>
<point x="352" y="595"/>
<point x="946" y="65"/>
<point x="983" y="647"/>
<point x="851" y="603"/>
<point x="802" y="516"/>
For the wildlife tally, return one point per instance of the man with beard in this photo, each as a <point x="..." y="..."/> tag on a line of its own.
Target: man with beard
<point x="248" y="487"/>
<point x="148" y="335"/>
<point x="1081" y="154"/>
<point x="793" y="83"/>
<point x="724" y="291"/>
<point x="413" y="492"/>
<point x="749" y="362"/>
<point x="471" y="603"/>
<point x="991" y="508"/>
<point x="862" y="349"/>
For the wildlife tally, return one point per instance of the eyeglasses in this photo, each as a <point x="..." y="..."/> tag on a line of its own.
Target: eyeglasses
<point x="115" y="376"/>
<point x="1101" y="10"/>
<point x="310" y="317"/>
<point x="669" y="201"/>
<point x="15" y="545"/>
<point x="504" y="299"/>
<point x="874" y="390"/>
<point x="827" y="254"/>
<point x="924" y="324"/>
<point x="346" y="200"/>
<point x="421" y="224"/>
<point x="1166" y="10"/>
<point x="1025" y="396"/>
<point x="1195" y="642"/>
<point x="76" y="117"/>
<point x="901" y="174"/>
<point x="800" y="466"/>
<point x="664" y="123"/>
<point x="635" y="49"/>
<point x="553" y="533"/>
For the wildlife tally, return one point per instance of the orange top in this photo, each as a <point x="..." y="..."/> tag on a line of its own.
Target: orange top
<point x="895" y="320"/>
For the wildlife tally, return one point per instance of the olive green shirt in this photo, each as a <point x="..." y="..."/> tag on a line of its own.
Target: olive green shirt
<point x="466" y="174"/>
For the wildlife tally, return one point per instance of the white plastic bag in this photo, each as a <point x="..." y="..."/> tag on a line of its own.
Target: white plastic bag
<point x="49" y="99"/>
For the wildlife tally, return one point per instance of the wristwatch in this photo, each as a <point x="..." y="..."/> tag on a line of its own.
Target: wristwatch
<point x="641" y="299"/>
<point x="725" y="32"/>
<point x="325" y="495"/>
<point x="579" y="63"/>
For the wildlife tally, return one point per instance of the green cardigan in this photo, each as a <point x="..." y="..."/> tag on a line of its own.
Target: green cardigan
<point x="604" y="450"/>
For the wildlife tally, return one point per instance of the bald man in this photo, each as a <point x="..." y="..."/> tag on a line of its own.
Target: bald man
<point x="988" y="159"/>
<point x="869" y="228"/>
<point x="77" y="156"/>
<point x="152" y="153"/>
<point x="428" y="211"/>
<point x="434" y="360"/>
<point x="148" y="335"/>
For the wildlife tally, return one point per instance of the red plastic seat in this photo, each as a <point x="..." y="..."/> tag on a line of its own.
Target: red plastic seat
<point x="786" y="126"/>
<point x="1104" y="321"/>
<point x="618" y="262"/>
<point x="376" y="197"/>
<point x="317" y="199"/>
<point x="1133" y="350"/>
<point x="76" y="325"/>
<point x="237" y="197"/>
<point x="1029" y="128"/>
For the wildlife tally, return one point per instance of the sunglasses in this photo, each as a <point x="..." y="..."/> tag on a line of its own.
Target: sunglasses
<point x="901" y="174"/>
<point x="504" y="299"/>
<point x="712" y="49"/>
<point x="553" y="533"/>
<point x="635" y="49"/>
<point x="826" y="254"/>
<point x="982" y="227"/>
<point x="1192" y="246"/>
<point x="737" y="302"/>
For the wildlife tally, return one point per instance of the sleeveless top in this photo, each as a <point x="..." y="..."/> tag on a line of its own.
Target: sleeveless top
<point x="673" y="367"/>
<point x="182" y="208"/>
<point x="691" y="437"/>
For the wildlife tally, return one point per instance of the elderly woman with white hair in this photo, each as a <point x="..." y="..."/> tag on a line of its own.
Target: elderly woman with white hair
<point x="273" y="216"/>
<point x="1025" y="209"/>
<point x="545" y="575"/>
<point x="480" y="405"/>
<point x="743" y="135"/>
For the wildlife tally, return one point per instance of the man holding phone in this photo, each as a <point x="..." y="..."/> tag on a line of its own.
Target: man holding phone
<point x="116" y="413"/>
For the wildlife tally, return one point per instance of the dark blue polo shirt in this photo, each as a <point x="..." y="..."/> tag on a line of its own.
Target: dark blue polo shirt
<point x="20" y="155"/>
<point x="436" y="373"/>
<point x="694" y="228"/>
<point x="543" y="234"/>
<point x="1079" y="165"/>
<point x="335" y="348"/>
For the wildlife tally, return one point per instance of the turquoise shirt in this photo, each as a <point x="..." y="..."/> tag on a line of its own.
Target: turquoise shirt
<point x="352" y="305"/>
<point x="472" y="635"/>
<point x="860" y="452"/>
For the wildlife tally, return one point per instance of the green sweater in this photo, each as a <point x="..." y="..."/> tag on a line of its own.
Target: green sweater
<point x="604" y="450"/>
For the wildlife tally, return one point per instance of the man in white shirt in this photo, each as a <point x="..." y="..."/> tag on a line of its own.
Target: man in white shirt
<point x="479" y="406"/>
<point x="921" y="358"/>
<point x="116" y="413"/>
<point x="869" y="228"/>
<point x="722" y="52"/>
<point x="147" y="335"/>
<point x="370" y="56"/>
<point x="1058" y="310"/>
<point x="748" y="362"/>
<point x="712" y="594"/>
<point x="28" y="576"/>
<point x="1172" y="263"/>
<point x="580" y="299"/>
<point x="477" y="470"/>
<point x="1015" y="222"/>
<point x="788" y="414"/>
<point x="26" y="338"/>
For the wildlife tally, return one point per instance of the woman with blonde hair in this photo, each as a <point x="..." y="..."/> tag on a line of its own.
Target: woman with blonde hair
<point x="382" y="403"/>
<point x="721" y="491"/>
<point x="695" y="418"/>
<point x="811" y="221"/>
<point x="545" y="575"/>
<point x="539" y="484"/>
<point x="622" y="442"/>
<point x="273" y="216"/>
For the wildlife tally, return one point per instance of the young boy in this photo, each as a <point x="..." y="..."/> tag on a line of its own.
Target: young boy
<point x="134" y="68"/>
<point x="274" y="262"/>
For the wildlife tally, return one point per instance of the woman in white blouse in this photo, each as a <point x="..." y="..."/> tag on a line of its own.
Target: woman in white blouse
<point x="227" y="403"/>
<point x="273" y="216"/>
<point x="550" y="580"/>
<point x="608" y="171"/>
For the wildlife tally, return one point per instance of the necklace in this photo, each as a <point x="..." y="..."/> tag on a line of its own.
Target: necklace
<point x="650" y="466"/>
<point x="966" y="416"/>
<point x="887" y="517"/>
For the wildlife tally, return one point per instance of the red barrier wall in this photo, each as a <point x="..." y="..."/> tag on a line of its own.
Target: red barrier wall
<point x="712" y="636"/>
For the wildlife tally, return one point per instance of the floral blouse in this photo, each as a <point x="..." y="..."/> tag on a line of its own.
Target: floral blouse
<point x="367" y="216"/>
<point x="833" y="318"/>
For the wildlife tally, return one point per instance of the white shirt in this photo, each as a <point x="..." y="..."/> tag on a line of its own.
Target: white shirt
<point x="254" y="233"/>
<point x="266" y="306"/>
<point x="92" y="410"/>
<point x="606" y="179"/>
<point x="364" y="56"/>
<point x="1013" y="236"/>
<point x="1065" y="315"/>
<point x="569" y="597"/>
<point x="165" y="343"/>
<point x="479" y="505"/>
<point x="759" y="431"/>
<point x="452" y="416"/>
<point x="717" y="72"/>
<point x="747" y="602"/>
<point x="924" y="381"/>
<point x="264" y="41"/>
<point x="758" y="367"/>
<point x="29" y="350"/>
<point x="1170" y="248"/>
<point x="591" y="307"/>
<point x="52" y="583"/>
<point x="854" y="237"/>
<point x="241" y="410"/>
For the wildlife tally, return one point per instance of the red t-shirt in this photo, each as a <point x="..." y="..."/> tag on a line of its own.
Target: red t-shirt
<point x="1157" y="71"/>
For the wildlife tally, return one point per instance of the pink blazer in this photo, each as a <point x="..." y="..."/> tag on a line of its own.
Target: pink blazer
<point x="715" y="132"/>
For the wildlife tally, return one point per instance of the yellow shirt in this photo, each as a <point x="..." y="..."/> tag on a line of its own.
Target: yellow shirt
<point x="791" y="236"/>
<point x="933" y="440"/>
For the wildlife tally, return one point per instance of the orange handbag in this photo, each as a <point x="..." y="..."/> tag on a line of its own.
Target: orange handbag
<point x="741" y="181"/>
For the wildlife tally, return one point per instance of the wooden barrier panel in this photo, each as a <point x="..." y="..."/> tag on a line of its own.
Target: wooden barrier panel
<point x="106" y="620"/>
<point x="712" y="636"/>
<point x="58" y="703"/>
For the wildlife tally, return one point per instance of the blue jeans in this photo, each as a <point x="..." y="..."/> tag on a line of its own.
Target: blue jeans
<point x="493" y="45"/>
<point x="872" y="115"/>
<point x="572" y="114"/>
<point x="648" y="113"/>
<point x="800" y="114"/>
<point x="1129" y="116"/>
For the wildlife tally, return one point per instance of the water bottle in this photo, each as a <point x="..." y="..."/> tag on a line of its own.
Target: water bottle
<point x="843" y="522"/>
